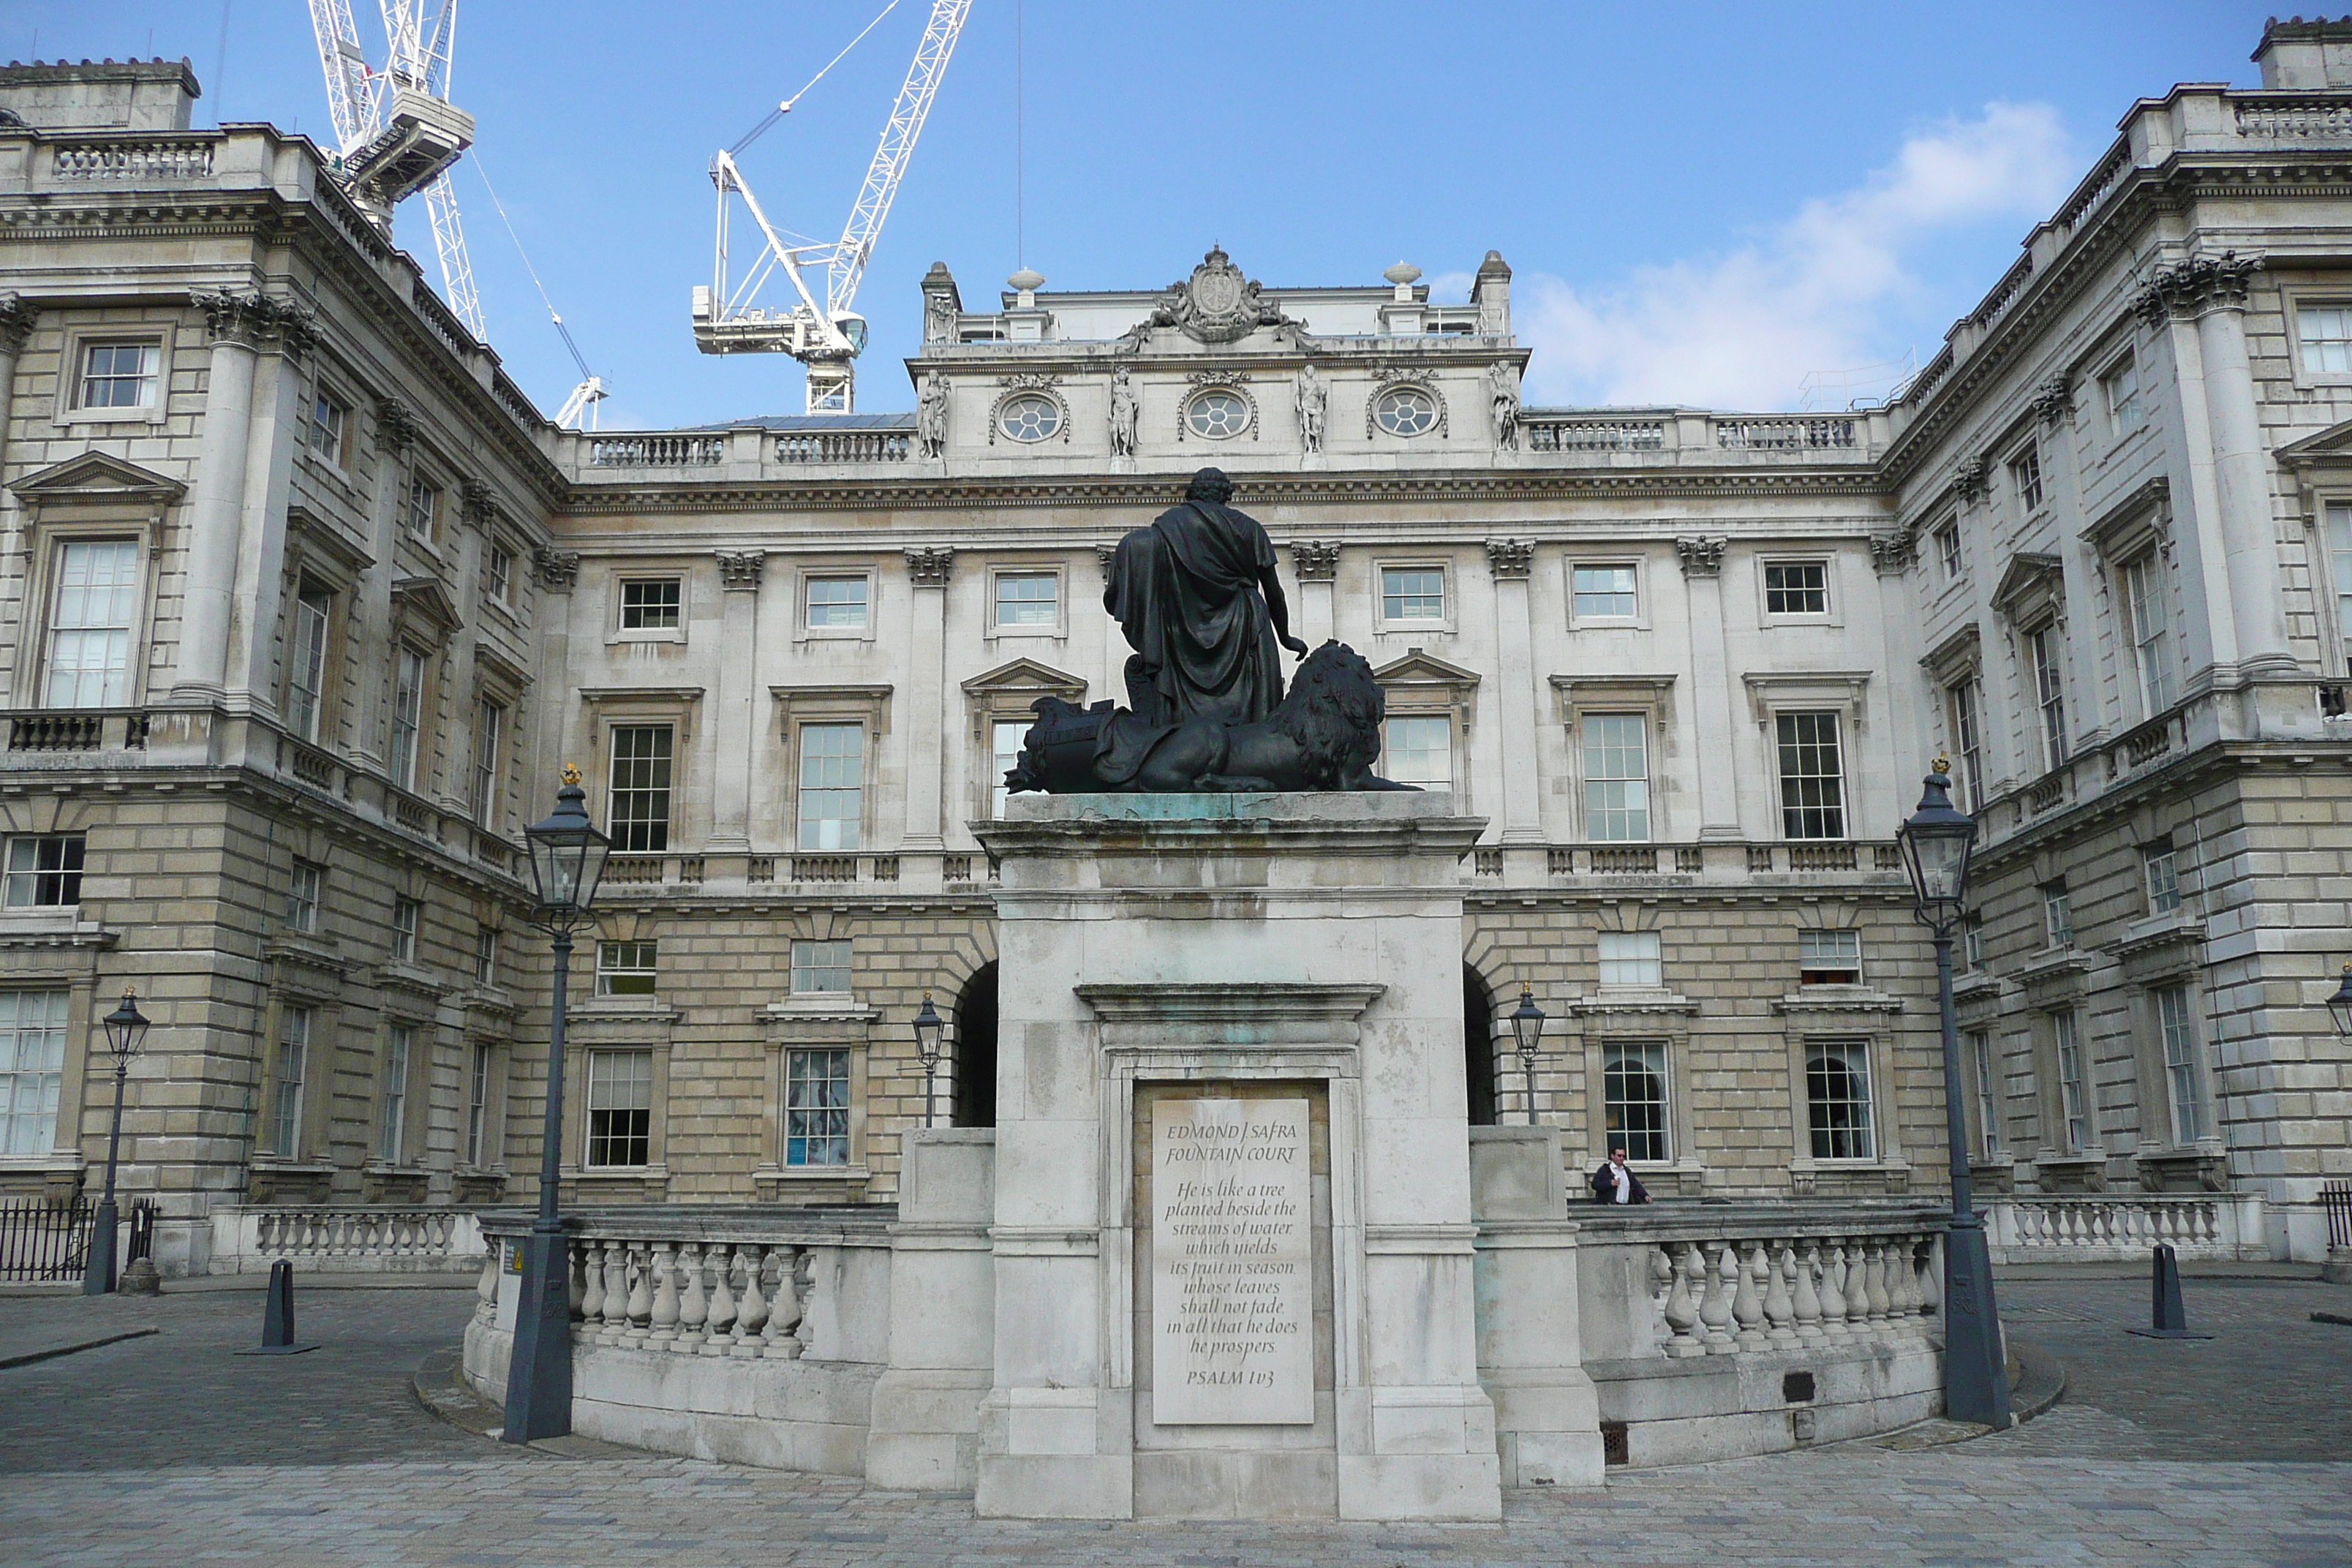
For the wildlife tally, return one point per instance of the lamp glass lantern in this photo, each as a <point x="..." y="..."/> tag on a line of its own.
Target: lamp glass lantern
<point x="2339" y="1006"/>
<point x="126" y="1028"/>
<point x="567" y="853"/>
<point x="1936" y="843"/>
<point x="1526" y="1025"/>
<point x="929" y="1027"/>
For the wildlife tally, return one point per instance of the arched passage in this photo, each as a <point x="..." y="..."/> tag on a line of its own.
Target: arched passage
<point x="975" y="1046"/>
<point x="1478" y="1046"/>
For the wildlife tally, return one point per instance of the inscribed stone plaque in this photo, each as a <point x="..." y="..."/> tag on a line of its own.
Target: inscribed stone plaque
<point x="1233" y="1326"/>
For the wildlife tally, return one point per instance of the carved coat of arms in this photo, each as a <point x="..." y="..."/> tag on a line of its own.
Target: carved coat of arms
<point x="1216" y="304"/>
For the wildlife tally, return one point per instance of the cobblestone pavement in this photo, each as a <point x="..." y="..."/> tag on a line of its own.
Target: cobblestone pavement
<point x="168" y="1450"/>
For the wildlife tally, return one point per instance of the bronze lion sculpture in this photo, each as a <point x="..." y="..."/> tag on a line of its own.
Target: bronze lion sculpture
<point x="1325" y="735"/>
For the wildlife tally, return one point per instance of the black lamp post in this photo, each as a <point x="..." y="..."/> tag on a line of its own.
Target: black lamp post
<point x="126" y="1031"/>
<point x="929" y="1026"/>
<point x="1526" y="1032"/>
<point x="567" y="858"/>
<point x="1936" y="843"/>
<point x="2339" y="1006"/>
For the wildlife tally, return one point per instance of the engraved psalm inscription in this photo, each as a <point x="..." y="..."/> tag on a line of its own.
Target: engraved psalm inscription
<point x="1233" y="1335"/>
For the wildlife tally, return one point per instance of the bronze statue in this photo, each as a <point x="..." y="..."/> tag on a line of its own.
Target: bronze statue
<point x="1197" y="595"/>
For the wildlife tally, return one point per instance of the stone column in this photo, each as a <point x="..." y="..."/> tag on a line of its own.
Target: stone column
<point x="735" y="735"/>
<point x="1892" y="552"/>
<point x="17" y="315"/>
<point x="370" y="617"/>
<point x="270" y="444"/>
<point x="1508" y="561"/>
<point x="1314" y="562"/>
<point x="216" y="503"/>
<point x="926" y="724"/>
<point x="1710" y="707"/>
<point x="556" y="571"/>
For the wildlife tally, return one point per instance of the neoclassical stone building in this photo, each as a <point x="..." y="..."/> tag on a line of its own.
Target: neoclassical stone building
<point x="306" y="604"/>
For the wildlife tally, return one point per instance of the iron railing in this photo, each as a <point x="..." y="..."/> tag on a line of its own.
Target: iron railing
<point x="42" y="1241"/>
<point x="2335" y="1197"/>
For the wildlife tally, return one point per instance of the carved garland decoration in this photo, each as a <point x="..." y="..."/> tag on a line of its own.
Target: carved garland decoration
<point x="1201" y="381"/>
<point x="1018" y="384"/>
<point x="1419" y="381"/>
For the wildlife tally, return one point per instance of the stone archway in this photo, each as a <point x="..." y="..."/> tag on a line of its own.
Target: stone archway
<point x="1478" y="1046"/>
<point x="975" y="1050"/>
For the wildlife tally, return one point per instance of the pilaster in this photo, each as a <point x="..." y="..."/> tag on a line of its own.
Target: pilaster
<point x="928" y="569"/>
<point x="1509" y="560"/>
<point x="735" y="733"/>
<point x="1719" y="796"/>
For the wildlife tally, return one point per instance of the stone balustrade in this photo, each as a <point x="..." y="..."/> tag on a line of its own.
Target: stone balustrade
<point x="340" y="1238"/>
<point x="1721" y="1295"/>
<point x="2122" y="1228"/>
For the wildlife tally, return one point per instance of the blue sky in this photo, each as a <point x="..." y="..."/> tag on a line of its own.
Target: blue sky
<point x="1702" y="202"/>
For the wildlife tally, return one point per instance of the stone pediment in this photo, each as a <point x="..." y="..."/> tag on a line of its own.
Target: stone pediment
<point x="426" y="597"/>
<point x="1026" y="675"/>
<point x="97" y="478"/>
<point x="2033" y="582"/>
<point x="1420" y="669"/>
<point x="2331" y="446"/>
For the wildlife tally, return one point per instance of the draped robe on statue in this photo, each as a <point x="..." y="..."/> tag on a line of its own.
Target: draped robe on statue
<point x="1185" y="592"/>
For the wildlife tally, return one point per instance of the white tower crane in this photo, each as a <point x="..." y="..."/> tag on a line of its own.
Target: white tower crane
<point x="398" y="132"/>
<point x="826" y="338"/>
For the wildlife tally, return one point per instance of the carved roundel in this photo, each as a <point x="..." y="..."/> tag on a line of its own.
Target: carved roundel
<point x="1407" y="411"/>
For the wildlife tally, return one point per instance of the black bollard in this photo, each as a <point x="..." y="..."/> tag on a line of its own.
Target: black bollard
<point x="2171" y="1317"/>
<point x="277" y="1315"/>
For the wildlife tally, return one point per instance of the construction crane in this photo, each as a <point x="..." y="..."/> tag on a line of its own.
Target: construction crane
<point x="397" y="133"/>
<point x="827" y="337"/>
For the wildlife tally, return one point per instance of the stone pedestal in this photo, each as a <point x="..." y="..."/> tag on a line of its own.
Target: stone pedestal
<point x="1298" y="949"/>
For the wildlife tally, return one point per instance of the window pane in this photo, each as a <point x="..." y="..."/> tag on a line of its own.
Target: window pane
<point x="833" y="775"/>
<point x="45" y="870"/>
<point x="1412" y="593"/>
<point x="1007" y="735"/>
<point x="478" y="1103"/>
<point x="2327" y="334"/>
<point x="2152" y="631"/>
<point x="2163" y="881"/>
<point x="626" y="968"/>
<point x="2181" y="1073"/>
<point x="1988" y="1111"/>
<point x="2340" y="560"/>
<point x="1419" y="751"/>
<point x="1616" y="776"/>
<point x="1812" y="782"/>
<point x="407" y="715"/>
<point x="424" y="508"/>
<point x="90" y="623"/>
<point x="2050" y="694"/>
<point x="641" y="778"/>
<point x="649" y="605"/>
<point x="285" y="1097"/>
<point x="1026" y="598"/>
<point x="821" y="966"/>
<point x="1631" y="958"/>
<point x="836" y="601"/>
<point x="307" y="679"/>
<point x="32" y="1068"/>
<point x="817" y="1108"/>
<point x="119" y="375"/>
<point x="1797" y="588"/>
<point x="490" y="723"/>
<point x="1603" y="591"/>
<point x="1960" y="703"/>
<point x="1837" y="1097"/>
<point x="1633" y="1092"/>
<point x="392" y="1124"/>
<point x="2073" y="1097"/>
<point x="1829" y="958"/>
<point x="620" y="1107"/>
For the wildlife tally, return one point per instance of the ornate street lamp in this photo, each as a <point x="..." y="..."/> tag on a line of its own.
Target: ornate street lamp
<point x="126" y="1031"/>
<point x="567" y="861"/>
<point x="1936" y="843"/>
<point x="2339" y="1006"/>
<point x="1527" y="1031"/>
<point x="929" y="1026"/>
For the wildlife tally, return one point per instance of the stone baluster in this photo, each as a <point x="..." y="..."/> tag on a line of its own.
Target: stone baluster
<point x="1715" y="1306"/>
<point x="1806" y="1257"/>
<point x="790" y="1309"/>
<point x="662" y="1325"/>
<point x="721" y="1335"/>
<point x="573" y="1255"/>
<point x="591" y="1294"/>
<point x="486" y="1289"/>
<point x="1746" y="1305"/>
<point x="617" y="1292"/>
<point x="1931" y="1280"/>
<point x="641" y="1296"/>
<point x="1881" y="1307"/>
<point x="694" y="1307"/>
<point x="1903" y="1282"/>
<point x="1833" y="1325"/>
<point x="751" y="1315"/>
<point x="1780" y="1308"/>
<point x="1682" y="1317"/>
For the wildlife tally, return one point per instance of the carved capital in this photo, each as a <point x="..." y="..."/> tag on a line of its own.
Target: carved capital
<point x="1969" y="477"/>
<point x="928" y="565"/>
<point x="2054" y="400"/>
<point x="1702" y="554"/>
<point x="1106" y="553"/>
<point x="557" y="568"/>
<point x="1893" y="550"/>
<point x="395" y="425"/>
<point x="740" y="571"/>
<point x="477" y="502"/>
<point x="2187" y="290"/>
<point x="1510" y="558"/>
<point x="257" y="320"/>
<point x="1315" y="559"/>
<point x="17" y="315"/>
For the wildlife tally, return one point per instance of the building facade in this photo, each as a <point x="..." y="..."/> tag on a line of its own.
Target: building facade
<point x="307" y="603"/>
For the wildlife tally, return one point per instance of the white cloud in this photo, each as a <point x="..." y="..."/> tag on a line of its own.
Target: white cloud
<point x="1738" y="330"/>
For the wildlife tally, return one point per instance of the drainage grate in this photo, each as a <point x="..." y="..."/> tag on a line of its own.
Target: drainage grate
<point x="1613" y="1447"/>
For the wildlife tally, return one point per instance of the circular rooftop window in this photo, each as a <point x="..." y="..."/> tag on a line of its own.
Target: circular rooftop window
<point x="1032" y="416"/>
<point x="1405" y="411"/>
<point x="1217" y="415"/>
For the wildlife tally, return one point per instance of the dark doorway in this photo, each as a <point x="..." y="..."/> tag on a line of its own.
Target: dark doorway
<point x="975" y="1046"/>
<point x="1478" y="1046"/>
